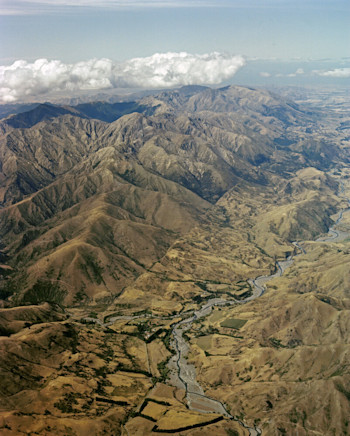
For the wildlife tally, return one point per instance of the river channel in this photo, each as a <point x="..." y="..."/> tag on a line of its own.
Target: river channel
<point x="183" y="374"/>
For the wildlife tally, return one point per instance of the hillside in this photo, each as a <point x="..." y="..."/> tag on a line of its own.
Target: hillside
<point x="65" y="178"/>
<point x="118" y="220"/>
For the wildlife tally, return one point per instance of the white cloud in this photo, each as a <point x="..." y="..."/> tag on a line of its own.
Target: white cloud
<point x="298" y="72"/>
<point x="119" y="3"/>
<point x="30" y="7"/>
<point x="122" y="3"/>
<point x="265" y="74"/>
<point x="173" y="69"/>
<point x="23" y="79"/>
<point x="162" y="70"/>
<point x="34" y="7"/>
<point x="337" y="73"/>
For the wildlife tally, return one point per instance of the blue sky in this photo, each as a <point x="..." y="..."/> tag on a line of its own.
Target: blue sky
<point x="275" y="37"/>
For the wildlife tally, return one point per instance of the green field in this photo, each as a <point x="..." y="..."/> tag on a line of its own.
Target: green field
<point x="204" y="342"/>
<point x="233" y="323"/>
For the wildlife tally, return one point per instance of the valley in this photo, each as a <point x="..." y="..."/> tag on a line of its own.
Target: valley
<point x="168" y="270"/>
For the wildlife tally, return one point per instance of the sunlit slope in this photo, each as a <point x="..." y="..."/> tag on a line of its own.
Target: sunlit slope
<point x="283" y="358"/>
<point x="126" y="226"/>
<point x="89" y="205"/>
<point x="54" y="375"/>
<point x="96" y="246"/>
<point x="251" y="228"/>
<point x="289" y="361"/>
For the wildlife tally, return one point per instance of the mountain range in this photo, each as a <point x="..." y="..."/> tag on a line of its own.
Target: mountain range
<point x="153" y="206"/>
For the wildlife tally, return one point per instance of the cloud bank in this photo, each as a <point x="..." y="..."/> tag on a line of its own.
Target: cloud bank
<point x="22" y="7"/>
<point x="32" y="7"/>
<point x="161" y="70"/>
<point x="337" y="73"/>
<point x="298" y="72"/>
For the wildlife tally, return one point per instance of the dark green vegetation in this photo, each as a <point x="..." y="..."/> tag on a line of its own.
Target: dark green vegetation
<point x="155" y="429"/>
<point x="233" y="323"/>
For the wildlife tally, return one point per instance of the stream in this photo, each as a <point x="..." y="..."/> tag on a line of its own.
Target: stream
<point x="337" y="235"/>
<point x="183" y="374"/>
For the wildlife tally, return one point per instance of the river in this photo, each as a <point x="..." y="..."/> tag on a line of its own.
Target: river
<point x="183" y="374"/>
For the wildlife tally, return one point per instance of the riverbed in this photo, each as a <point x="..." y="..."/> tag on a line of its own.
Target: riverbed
<point x="183" y="374"/>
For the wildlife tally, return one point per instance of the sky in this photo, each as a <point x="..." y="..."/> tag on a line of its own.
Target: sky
<point x="74" y="45"/>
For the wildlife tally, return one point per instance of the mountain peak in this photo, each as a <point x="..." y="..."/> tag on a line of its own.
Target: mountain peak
<point x="42" y="112"/>
<point x="189" y="90"/>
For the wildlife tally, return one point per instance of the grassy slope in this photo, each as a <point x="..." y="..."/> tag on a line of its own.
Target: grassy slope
<point x="166" y="249"/>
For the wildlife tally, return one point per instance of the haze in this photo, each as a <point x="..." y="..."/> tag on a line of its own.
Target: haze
<point x="282" y="42"/>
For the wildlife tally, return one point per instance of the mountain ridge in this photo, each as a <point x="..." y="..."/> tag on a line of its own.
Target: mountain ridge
<point x="114" y="231"/>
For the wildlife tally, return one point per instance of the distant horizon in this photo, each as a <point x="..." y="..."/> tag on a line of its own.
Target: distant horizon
<point x="124" y="95"/>
<point x="26" y="82"/>
<point x="61" y="45"/>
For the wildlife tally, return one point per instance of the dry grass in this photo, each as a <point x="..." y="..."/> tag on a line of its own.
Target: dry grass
<point x="174" y="419"/>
